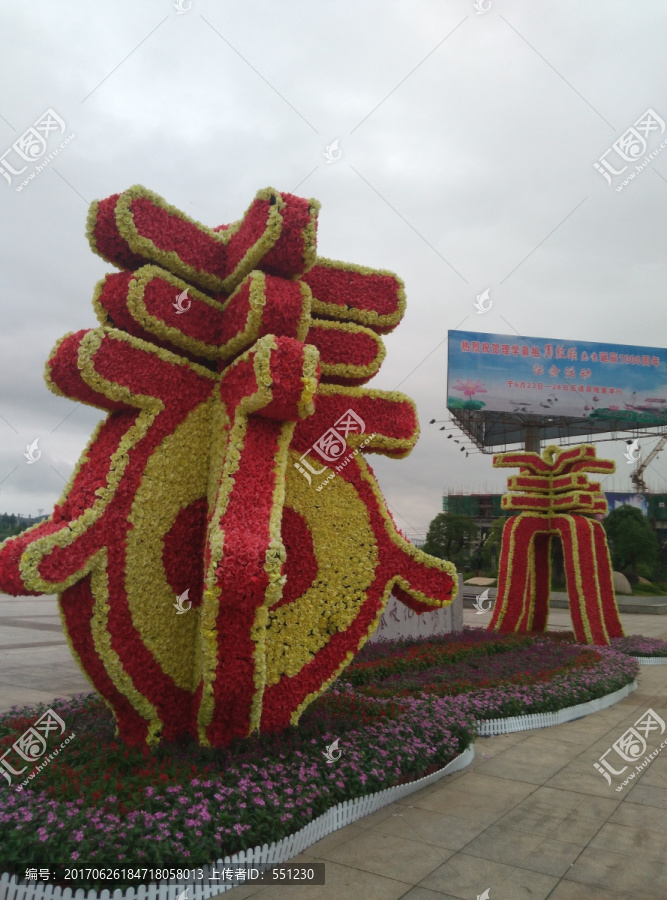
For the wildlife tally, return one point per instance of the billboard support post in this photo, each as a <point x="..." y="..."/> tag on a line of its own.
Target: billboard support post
<point x="532" y="439"/>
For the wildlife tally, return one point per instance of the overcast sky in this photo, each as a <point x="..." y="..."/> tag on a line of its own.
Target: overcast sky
<point x="467" y="140"/>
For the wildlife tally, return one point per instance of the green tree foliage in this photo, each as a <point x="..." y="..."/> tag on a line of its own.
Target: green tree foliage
<point x="9" y="526"/>
<point x="452" y="537"/>
<point x="491" y="546"/>
<point x="558" y="579"/>
<point x="632" y="541"/>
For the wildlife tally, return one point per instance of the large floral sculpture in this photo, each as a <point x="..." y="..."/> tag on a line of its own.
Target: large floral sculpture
<point x="556" y="499"/>
<point x="226" y="359"/>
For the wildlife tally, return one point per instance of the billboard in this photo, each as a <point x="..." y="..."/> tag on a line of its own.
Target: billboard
<point x="616" y="499"/>
<point x="497" y="384"/>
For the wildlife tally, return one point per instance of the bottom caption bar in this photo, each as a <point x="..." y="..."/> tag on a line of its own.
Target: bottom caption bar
<point x="258" y="873"/>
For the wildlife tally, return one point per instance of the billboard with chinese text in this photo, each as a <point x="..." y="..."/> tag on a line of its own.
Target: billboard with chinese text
<point x="498" y="383"/>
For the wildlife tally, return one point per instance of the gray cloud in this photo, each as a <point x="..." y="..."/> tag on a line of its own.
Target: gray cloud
<point x="473" y="170"/>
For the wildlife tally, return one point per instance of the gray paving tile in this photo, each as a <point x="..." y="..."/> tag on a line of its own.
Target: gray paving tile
<point x="638" y="814"/>
<point x="646" y="795"/>
<point x="509" y="790"/>
<point x="420" y="893"/>
<point x="41" y="645"/>
<point x="335" y="839"/>
<point x="49" y="653"/>
<point x="27" y="697"/>
<point x="11" y="636"/>
<point x="466" y="877"/>
<point x="472" y="808"/>
<point x="525" y="885"/>
<point x="503" y="844"/>
<point x="552" y="857"/>
<point x="631" y="840"/>
<point x="46" y="680"/>
<point x="430" y="827"/>
<point x="581" y="777"/>
<point x="388" y="855"/>
<point x="541" y="822"/>
<point x="619" y="872"/>
<point x="598" y="806"/>
<point x="580" y="826"/>
<point x="37" y="623"/>
<point x="571" y="890"/>
<point x="547" y="801"/>
<point x="518" y="764"/>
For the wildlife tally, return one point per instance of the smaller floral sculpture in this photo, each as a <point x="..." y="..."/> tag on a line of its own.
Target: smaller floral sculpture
<point x="556" y="499"/>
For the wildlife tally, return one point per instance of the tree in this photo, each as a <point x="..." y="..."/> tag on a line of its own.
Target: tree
<point x="450" y="537"/>
<point x="632" y="541"/>
<point x="558" y="578"/>
<point x="9" y="526"/>
<point x="491" y="553"/>
<point x="492" y="544"/>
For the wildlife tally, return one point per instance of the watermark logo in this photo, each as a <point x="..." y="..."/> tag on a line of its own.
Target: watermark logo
<point x="33" y="453"/>
<point x="179" y="305"/>
<point x="31" y="147"/>
<point x="481" y="300"/>
<point x="179" y="606"/>
<point x="332" y="445"/>
<point x="32" y="745"/>
<point x="181" y="8"/>
<point x="480" y="601"/>
<point x="184" y="895"/>
<point x="480" y="9"/>
<point x="633" y="447"/>
<point x="330" y="751"/>
<point x="630" y="747"/>
<point x="333" y="152"/>
<point x="484" y="895"/>
<point x="631" y="145"/>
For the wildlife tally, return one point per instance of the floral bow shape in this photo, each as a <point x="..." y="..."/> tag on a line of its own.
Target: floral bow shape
<point x="553" y="497"/>
<point x="229" y="361"/>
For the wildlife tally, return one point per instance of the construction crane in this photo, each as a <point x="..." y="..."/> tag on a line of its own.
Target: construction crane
<point x="637" y="477"/>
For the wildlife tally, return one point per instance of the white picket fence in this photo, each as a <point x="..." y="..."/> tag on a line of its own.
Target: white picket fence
<point x="651" y="660"/>
<point x="490" y="727"/>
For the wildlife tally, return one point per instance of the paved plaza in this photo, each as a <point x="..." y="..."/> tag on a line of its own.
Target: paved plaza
<point x="530" y="818"/>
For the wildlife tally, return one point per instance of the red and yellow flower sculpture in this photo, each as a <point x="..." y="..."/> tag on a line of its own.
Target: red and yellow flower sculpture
<point x="223" y="357"/>
<point x="556" y="499"/>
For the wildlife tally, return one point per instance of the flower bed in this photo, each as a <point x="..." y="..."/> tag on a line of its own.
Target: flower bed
<point x="640" y="647"/>
<point x="512" y="675"/>
<point x="103" y="803"/>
